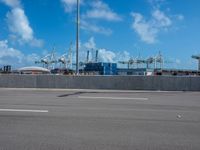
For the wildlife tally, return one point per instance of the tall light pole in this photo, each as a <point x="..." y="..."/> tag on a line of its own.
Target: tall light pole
<point x="77" y="37"/>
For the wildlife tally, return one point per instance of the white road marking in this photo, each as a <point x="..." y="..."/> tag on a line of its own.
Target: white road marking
<point x="119" y="98"/>
<point x="24" y="110"/>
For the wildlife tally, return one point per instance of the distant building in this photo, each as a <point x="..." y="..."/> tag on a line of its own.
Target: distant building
<point x="33" y="70"/>
<point x="100" y="68"/>
<point x="6" y="69"/>
<point x="176" y="72"/>
<point x="58" y="71"/>
<point x="157" y="72"/>
<point x="134" y="71"/>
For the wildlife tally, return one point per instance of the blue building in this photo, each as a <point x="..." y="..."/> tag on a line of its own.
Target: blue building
<point x="101" y="68"/>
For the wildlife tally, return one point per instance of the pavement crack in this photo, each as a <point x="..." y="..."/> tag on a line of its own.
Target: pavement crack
<point x="76" y="93"/>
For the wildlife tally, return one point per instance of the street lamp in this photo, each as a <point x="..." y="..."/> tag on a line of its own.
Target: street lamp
<point x="77" y="37"/>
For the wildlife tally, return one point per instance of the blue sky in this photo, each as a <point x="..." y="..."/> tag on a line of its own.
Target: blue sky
<point x="120" y="29"/>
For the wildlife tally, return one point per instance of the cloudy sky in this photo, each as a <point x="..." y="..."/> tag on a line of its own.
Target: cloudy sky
<point x="120" y="29"/>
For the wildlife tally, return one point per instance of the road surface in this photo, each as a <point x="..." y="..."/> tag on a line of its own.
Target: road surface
<point x="98" y="120"/>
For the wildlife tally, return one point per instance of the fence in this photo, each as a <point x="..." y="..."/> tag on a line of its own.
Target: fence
<point x="162" y="83"/>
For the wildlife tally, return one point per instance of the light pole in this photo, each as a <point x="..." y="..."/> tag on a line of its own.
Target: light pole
<point x="77" y="37"/>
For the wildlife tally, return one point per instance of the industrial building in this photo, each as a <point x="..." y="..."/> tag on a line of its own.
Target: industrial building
<point x="5" y="69"/>
<point x="134" y="71"/>
<point x="197" y="57"/>
<point x="157" y="72"/>
<point x="176" y="72"/>
<point x="60" y="71"/>
<point x="100" y="68"/>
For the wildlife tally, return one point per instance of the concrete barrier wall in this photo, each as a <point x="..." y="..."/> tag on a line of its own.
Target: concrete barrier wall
<point x="162" y="83"/>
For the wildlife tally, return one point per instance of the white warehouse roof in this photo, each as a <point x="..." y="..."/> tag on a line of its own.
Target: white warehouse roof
<point x="33" y="68"/>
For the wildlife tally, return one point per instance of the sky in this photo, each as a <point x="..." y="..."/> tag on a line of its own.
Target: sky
<point x="119" y="29"/>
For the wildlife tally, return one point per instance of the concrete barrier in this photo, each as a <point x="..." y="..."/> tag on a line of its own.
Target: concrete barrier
<point x="162" y="83"/>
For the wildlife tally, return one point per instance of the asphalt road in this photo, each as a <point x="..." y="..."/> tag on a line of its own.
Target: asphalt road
<point x="99" y="120"/>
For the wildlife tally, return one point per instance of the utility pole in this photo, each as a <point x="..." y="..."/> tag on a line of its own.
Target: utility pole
<point x="77" y="37"/>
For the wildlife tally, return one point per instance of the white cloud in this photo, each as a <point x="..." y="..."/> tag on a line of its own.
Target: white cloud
<point x="12" y="3"/>
<point x="156" y="4"/>
<point x="111" y="56"/>
<point x="69" y="5"/>
<point x="87" y="26"/>
<point x="31" y="58"/>
<point x="90" y="44"/>
<point x="19" y="25"/>
<point x="7" y="52"/>
<point x="104" y="55"/>
<point x="149" y="30"/>
<point x="101" y="10"/>
<point x="12" y="56"/>
<point x="144" y="29"/>
<point x="122" y="56"/>
<point x="160" y="19"/>
<point x="97" y="10"/>
<point x="36" y="42"/>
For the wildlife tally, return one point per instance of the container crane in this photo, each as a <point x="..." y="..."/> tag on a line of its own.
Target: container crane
<point x="48" y="60"/>
<point x="158" y="59"/>
<point x="66" y="59"/>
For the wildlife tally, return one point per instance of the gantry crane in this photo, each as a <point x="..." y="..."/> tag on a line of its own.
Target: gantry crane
<point x="66" y="59"/>
<point x="48" y="61"/>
